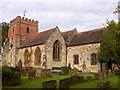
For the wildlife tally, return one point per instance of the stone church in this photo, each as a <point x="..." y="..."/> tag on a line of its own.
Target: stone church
<point x="51" y="48"/>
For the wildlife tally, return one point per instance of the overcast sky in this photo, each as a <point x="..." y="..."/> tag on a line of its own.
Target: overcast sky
<point x="66" y="14"/>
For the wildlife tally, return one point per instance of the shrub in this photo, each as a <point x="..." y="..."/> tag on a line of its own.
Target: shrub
<point x="10" y="76"/>
<point x="65" y="69"/>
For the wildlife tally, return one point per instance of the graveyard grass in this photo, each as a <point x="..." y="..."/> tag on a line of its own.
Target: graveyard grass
<point x="37" y="83"/>
<point x="114" y="83"/>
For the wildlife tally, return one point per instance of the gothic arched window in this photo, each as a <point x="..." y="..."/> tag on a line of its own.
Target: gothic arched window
<point x="37" y="56"/>
<point x="26" y="56"/>
<point x="27" y="31"/>
<point x="57" y="50"/>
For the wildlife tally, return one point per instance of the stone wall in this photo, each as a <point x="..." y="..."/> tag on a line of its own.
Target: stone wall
<point x="56" y="35"/>
<point x="33" y="48"/>
<point x="84" y="52"/>
<point x="47" y="49"/>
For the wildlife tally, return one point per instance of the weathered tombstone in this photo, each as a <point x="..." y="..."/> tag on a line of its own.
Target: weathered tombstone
<point x="43" y="74"/>
<point x="103" y="84"/>
<point x="74" y="79"/>
<point x="32" y="74"/>
<point x="89" y="78"/>
<point x="64" y="83"/>
<point x="23" y="71"/>
<point x="49" y="84"/>
<point x="96" y="76"/>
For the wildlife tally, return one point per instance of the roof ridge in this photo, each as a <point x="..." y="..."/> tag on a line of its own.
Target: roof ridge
<point x="47" y="30"/>
<point x="68" y="31"/>
<point x="93" y="30"/>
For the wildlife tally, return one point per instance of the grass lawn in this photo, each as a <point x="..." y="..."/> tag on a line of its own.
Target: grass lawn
<point x="37" y="83"/>
<point x="114" y="83"/>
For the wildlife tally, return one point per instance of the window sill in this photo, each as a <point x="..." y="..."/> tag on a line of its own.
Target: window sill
<point x="56" y="59"/>
<point x="93" y="64"/>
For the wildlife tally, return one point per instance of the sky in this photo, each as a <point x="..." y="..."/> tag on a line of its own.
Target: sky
<point x="83" y="15"/>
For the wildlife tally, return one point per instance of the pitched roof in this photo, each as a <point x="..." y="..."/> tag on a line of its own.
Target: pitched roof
<point x="87" y="37"/>
<point x="37" y="39"/>
<point x="67" y="34"/>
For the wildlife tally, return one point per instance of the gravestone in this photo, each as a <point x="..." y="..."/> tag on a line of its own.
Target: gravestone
<point x="32" y="74"/>
<point x="74" y="79"/>
<point x="46" y="73"/>
<point x="103" y="84"/>
<point x="43" y="74"/>
<point x="89" y="78"/>
<point x="23" y="71"/>
<point x="81" y="78"/>
<point x="49" y="84"/>
<point x="64" y="83"/>
<point x="49" y="73"/>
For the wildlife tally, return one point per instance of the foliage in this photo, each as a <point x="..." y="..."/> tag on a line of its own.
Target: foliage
<point x="110" y="44"/>
<point x="5" y="27"/>
<point x="10" y="76"/>
<point x="65" y="69"/>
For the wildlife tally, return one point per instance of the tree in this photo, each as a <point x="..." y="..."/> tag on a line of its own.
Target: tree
<point x="110" y="45"/>
<point x="5" y="27"/>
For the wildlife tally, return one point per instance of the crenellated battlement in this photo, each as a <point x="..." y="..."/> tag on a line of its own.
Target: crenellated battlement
<point x="24" y="20"/>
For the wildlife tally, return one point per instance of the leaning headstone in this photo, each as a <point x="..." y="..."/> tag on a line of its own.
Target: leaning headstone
<point x="49" y="84"/>
<point x="64" y="83"/>
<point x="103" y="84"/>
<point x="23" y="71"/>
<point x="89" y="78"/>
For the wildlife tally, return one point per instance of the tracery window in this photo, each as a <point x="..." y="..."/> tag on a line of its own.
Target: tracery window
<point x="37" y="56"/>
<point x="57" y="50"/>
<point x="26" y="57"/>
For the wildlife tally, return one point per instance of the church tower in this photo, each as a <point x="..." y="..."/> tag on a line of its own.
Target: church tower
<point x="20" y="28"/>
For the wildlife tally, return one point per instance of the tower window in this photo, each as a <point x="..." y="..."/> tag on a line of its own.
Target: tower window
<point x="27" y="31"/>
<point x="76" y="61"/>
<point x="93" y="58"/>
